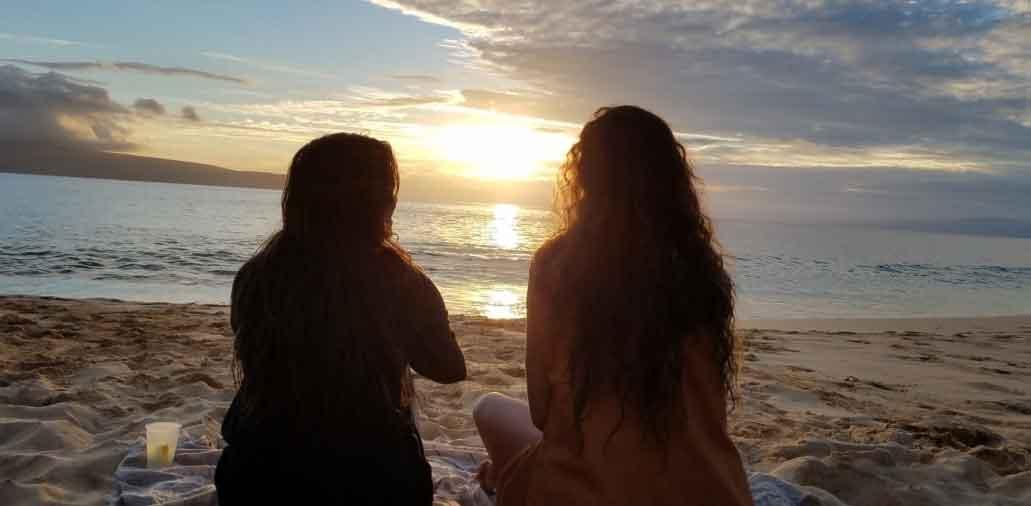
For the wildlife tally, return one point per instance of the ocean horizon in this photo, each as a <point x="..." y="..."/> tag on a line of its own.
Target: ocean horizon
<point x="162" y="242"/>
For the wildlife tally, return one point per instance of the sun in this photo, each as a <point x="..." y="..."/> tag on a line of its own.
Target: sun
<point x="499" y="150"/>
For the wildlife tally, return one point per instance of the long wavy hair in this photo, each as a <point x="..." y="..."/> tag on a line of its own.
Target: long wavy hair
<point x="314" y="343"/>
<point x="641" y="269"/>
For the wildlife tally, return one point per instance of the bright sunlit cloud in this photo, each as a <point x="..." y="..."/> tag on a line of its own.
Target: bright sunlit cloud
<point x="500" y="151"/>
<point x="481" y="100"/>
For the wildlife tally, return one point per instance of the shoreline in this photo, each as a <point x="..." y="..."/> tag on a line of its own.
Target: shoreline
<point x="844" y="323"/>
<point x="877" y="411"/>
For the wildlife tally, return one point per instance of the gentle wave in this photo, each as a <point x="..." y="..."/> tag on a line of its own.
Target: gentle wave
<point x="94" y="238"/>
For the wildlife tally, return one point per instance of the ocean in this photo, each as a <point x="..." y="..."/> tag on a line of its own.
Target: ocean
<point x="72" y="237"/>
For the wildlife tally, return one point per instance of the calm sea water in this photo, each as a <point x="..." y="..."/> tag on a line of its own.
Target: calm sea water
<point x="162" y="242"/>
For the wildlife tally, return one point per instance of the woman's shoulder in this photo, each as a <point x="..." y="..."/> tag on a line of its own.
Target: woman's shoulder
<point x="416" y="279"/>
<point x="247" y="269"/>
<point x="245" y="274"/>
<point x="547" y="259"/>
<point x="413" y="279"/>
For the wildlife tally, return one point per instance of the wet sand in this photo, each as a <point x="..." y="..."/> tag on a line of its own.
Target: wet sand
<point x="863" y="412"/>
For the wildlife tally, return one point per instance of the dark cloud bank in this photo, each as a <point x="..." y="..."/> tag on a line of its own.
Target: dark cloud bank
<point x="189" y="114"/>
<point x="947" y="80"/>
<point x="55" y="109"/>
<point x="948" y="77"/>
<point x="148" y="106"/>
<point x="54" y="125"/>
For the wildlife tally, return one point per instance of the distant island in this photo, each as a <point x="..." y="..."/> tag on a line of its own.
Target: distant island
<point x="48" y="160"/>
<point x="57" y="161"/>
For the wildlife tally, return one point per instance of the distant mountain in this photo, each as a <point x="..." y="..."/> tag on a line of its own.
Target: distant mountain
<point x="51" y="161"/>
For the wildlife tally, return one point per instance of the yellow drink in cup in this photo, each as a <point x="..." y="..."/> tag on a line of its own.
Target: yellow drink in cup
<point x="162" y="440"/>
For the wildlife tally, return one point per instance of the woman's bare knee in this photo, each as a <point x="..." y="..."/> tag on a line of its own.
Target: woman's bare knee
<point x="486" y="405"/>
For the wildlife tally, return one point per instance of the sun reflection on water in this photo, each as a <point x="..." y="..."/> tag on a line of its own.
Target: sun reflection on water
<point x="501" y="304"/>
<point x="505" y="226"/>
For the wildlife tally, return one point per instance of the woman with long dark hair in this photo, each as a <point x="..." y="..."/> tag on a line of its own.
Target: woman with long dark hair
<point x="630" y="358"/>
<point x="328" y="316"/>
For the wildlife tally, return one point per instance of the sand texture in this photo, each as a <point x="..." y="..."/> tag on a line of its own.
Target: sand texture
<point x="860" y="412"/>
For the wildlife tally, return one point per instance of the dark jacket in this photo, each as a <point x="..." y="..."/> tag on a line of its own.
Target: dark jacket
<point x="271" y="464"/>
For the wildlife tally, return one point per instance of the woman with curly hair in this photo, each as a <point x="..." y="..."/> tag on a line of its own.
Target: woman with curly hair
<point x="630" y="358"/>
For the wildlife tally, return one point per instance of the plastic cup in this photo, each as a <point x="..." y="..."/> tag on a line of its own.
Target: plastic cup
<point x="162" y="439"/>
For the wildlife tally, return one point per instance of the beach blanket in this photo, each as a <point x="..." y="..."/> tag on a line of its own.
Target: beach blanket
<point x="768" y="490"/>
<point x="190" y="480"/>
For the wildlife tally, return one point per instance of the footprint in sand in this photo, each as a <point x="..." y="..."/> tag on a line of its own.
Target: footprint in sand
<point x="996" y="370"/>
<point x="919" y="358"/>
<point x="35" y="331"/>
<point x="1022" y="407"/>
<point x="14" y="319"/>
<point x="72" y="318"/>
<point x="992" y="387"/>
<point x="955" y="435"/>
<point x="516" y="371"/>
<point x="199" y="377"/>
<point x="1007" y="337"/>
<point x="505" y="354"/>
<point x="495" y="379"/>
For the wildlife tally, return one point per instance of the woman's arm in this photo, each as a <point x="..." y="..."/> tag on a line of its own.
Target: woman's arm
<point x="240" y="283"/>
<point x="231" y="420"/>
<point x="538" y="350"/>
<point x="432" y="349"/>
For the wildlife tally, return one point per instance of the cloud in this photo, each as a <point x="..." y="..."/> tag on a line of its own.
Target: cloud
<point x="189" y="113"/>
<point x="148" y="106"/>
<point x="405" y="101"/>
<point x="48" y="41"/>
<point x="940" y="84"/>
<point x="54" y="110"/>
<point x="272" y="67"/>
<point x="145" y="68"/>
<point x="375" y="97"/>
<point x="415" y="78"/>
<point x="316" y="117"/>
<point x="512" y="102"/>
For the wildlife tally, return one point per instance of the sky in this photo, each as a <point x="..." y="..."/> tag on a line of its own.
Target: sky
<point x="800" y="109"/>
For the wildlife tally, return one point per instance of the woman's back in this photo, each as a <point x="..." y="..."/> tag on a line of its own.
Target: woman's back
<point x="344" y="453"/>
<point x="610" y="459"/>
<point x="328" y="316"/>
<point x="351" y="356"/>
<point x="630" y="335"/>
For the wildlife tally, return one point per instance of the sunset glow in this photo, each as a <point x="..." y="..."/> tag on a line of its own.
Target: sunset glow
<point x="481" y="100"/>
<point x="499" y="151"/>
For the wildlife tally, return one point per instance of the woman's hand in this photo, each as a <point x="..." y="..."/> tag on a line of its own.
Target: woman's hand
<point x="485" y="475"/>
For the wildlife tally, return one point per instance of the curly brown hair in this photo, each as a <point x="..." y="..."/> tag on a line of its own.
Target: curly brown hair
<point x="641" y="268"/>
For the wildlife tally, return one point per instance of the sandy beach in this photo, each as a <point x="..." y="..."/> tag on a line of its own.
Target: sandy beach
<point x="862" y="412"/>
